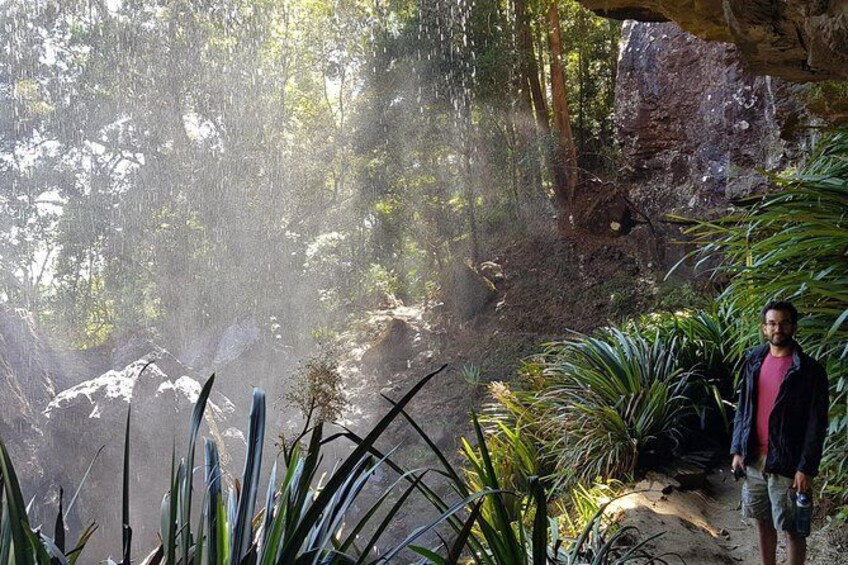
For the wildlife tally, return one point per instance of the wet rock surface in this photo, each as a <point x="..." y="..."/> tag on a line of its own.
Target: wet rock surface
<point x="695" y="128"/>
<point x="32" y="371"/>
<point x="467" y="293"/>
<point x="393" y="348"/>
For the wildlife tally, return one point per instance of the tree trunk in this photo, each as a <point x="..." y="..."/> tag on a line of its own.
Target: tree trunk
<point x="565" y="162"/>
<point x="528" y="66"/>
<point x="531" y="102"/>
<point x="469" y="181"/>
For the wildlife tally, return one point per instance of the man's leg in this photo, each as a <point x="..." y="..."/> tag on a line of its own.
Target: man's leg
<point x="796" y="547"/>
<point x="768" y="542"/>
<point x="783" y="517"/>
<point x="756" y="504"/>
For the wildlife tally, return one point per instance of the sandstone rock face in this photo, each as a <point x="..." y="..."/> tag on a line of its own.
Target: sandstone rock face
<point x="242" y="355"/>
<point x="798" y="40"/>
<point x="704" y="18"/>
<point x="31" y="372"/>
<point x="25" y="385"/>
<point x="694" y="126"/>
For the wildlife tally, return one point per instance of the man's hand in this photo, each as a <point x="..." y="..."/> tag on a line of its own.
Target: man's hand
<point x="802" y="483"/>
<point x="738" y="466"/>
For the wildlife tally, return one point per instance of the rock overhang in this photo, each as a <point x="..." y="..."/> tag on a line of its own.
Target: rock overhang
<point x="797" y="40"/>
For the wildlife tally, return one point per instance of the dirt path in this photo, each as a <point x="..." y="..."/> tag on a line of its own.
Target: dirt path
<point x="704" y="526"/>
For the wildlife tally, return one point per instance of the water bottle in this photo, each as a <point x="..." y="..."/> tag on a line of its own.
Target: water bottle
<point x="803" y="514"/>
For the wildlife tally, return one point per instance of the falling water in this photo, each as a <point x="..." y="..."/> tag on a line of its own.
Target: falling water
<point x="773" y="146"/>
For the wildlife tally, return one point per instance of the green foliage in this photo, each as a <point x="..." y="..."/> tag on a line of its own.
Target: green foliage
<point x="390" y="135"/>
<point x="788" y="245"/>
<point x="511" y="524"/>
<point x="703" y="341"/>
<point x="608" y="405"/>
<point x="673" y="294"/>
<point x="590" y="60"/>
<point x="829" y="99"/>
<point x="471" y="374"/>
<point x="300" y="522"/>
<point x="514" y="461"/>
<point x="706" y="344"/>
<point x="612" y="400"/>
<point x="584" y="502"/>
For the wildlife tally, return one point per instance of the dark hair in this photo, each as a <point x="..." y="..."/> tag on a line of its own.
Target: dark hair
<point x="781" y="305"/>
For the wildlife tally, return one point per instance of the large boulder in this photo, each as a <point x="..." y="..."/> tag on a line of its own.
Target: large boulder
<point x="797" y="40"/>
<point x="29" y="371"/>
<point x="695" y="128"/>
<point x="465" y="292"/>
<point x="24" y="383"/>
<point x="93" y="413"/>
<point x="242" y="355"/>
<point x="393" y="348"/>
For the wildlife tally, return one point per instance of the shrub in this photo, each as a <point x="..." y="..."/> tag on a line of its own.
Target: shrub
<point x="613" y="400"/>
<point x="301" y="523"/>
<point x="607" y="404"/>
<point x="791" y="245"/>
<point x="316" y="389"/>
<point x="705" y="343"/>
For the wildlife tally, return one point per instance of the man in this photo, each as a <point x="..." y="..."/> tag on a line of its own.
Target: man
<point x="779" y="430"/>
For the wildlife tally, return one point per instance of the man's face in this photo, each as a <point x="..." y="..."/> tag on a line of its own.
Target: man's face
<point x="778" y="328"/>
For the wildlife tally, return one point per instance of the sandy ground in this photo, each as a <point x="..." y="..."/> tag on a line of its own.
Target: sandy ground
<point x="704" y="527"/>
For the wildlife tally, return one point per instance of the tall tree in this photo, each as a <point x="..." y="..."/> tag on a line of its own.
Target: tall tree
<point x="565" y="160"/>
<point x="532" y="115"/>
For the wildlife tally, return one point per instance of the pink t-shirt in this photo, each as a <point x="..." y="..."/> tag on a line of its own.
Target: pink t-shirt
<point x="771" y="375"/>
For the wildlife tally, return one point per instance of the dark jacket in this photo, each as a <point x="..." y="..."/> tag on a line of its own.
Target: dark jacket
<point x="798" y="421"/>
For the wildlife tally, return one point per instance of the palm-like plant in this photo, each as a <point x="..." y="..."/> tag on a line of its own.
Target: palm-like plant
<point x="614" y="398"/>
<point x="791" y="244"/>
<point x="707" y="344"/>
<point x="300" y="523"/>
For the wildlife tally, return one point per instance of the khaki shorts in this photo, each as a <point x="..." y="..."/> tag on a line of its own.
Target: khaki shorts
<point x="768" y="496"/>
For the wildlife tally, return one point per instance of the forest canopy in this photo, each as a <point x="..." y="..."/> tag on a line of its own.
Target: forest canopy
<point x="173" y="164"/>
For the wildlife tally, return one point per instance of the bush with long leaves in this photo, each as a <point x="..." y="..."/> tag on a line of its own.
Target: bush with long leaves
<point x="612" y="399"/>
<point x="512" y="527"/>
<point x="790" y="244"/>
<point x="300" y="523"/>
<point x="704" y="343"/>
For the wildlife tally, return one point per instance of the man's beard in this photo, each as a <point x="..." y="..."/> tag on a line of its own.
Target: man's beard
<point x="780" y="340"/>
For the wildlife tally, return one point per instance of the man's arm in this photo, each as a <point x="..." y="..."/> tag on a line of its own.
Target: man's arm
<point x="739" y="418"/>
<point x="816" y="425"/>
